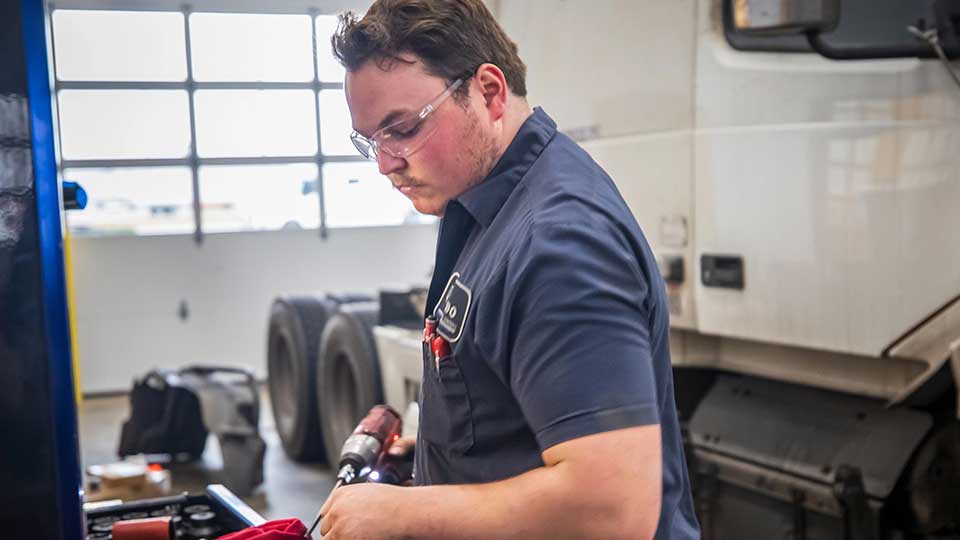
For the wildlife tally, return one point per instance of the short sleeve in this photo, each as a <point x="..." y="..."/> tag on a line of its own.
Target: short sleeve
<point x="581" y="361"/>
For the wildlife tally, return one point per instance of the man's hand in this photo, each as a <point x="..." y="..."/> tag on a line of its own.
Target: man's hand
<point x="362" y="512"/>
<point x="401" y="447"/>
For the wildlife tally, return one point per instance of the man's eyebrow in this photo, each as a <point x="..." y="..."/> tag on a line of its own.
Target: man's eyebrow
<point x="390" y="118"/>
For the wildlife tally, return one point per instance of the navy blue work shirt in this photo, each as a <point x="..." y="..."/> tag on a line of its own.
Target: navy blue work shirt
<point x="556" y="313"/>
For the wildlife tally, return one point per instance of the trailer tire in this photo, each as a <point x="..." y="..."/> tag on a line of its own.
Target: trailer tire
<point x="294" y="331"/>
<point x="348" y="380"/>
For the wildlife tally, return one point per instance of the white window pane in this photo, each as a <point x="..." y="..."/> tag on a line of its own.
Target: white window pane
<point x="335" y="124"/>
<point x="328" y="67"/>
<point x="357" y="195"/>
<point x="133" y="201"/>
<point x="119" y="45"/>
<point x="97" y="124"/>
<point x="241" y="47"/>
<point x="260" y="197"/>
<point x="243" y="123"/>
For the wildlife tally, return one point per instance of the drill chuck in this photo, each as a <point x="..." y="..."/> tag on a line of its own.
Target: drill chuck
<point x="359" y="450"/>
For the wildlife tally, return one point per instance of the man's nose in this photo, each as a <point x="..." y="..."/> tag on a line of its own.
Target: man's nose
<point x="389" y="164"/>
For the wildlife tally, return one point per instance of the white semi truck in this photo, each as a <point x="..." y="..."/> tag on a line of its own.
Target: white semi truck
<point x="795" y="165"/>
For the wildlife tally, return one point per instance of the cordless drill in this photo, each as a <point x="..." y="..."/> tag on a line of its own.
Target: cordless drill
<point x="366" y="447"/>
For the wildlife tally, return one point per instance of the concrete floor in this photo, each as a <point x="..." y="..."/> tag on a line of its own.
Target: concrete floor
<point x="289" y="489"/>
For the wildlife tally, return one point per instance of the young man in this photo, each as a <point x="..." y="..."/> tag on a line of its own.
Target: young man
<point x="547" y="406"/>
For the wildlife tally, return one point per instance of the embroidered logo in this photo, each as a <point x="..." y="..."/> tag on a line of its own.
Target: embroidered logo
<point x="452" y="309"/>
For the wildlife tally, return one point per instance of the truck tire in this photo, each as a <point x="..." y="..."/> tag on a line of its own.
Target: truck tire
<point x="348" y="380"/>
<point x="295" y="327"/>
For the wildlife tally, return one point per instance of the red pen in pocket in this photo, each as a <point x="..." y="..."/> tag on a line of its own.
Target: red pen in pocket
<point x="440" y="349"/>
<point x="429" y="329"/>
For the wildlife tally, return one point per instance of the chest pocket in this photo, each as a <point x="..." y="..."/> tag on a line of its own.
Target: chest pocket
<point x="447" y="417"/>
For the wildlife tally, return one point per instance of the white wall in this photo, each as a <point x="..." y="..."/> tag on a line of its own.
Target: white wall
<point x="128" y="291"/>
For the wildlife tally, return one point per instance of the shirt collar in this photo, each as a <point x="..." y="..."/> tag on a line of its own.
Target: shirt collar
<point x="484" y="200"/>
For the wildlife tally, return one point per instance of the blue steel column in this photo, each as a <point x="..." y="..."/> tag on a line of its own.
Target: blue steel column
<point x="63" y="407"/>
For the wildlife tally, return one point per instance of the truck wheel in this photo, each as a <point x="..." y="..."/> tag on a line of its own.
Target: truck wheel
<point x="295" y="327"/>
<point x="348" y="374"/>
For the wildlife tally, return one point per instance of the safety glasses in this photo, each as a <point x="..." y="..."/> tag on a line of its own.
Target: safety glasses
<point x="405" y="136"/>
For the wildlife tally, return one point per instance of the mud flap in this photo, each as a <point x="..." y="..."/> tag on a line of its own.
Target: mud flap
<point x="783" y="461"/>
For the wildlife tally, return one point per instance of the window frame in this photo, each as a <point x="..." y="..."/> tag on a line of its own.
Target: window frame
<point x="193" y="160"/>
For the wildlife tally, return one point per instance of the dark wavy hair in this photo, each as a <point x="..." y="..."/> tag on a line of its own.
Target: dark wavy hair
<point x="451" y="37"/>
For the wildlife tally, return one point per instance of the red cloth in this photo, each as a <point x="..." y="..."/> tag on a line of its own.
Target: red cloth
<point x="279" y="529"/>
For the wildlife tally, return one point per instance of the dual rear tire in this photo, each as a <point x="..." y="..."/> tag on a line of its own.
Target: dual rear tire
<point x="322" y="369"/>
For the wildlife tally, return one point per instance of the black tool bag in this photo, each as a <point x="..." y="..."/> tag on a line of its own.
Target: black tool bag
<point x="172" y="413"/>
<point x="165" y="418"/>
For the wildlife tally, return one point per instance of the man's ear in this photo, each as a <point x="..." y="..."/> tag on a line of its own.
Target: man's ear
<point x="493" y="88"/>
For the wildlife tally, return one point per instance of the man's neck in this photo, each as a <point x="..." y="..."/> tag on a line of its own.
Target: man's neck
<point x="517" y="113"/>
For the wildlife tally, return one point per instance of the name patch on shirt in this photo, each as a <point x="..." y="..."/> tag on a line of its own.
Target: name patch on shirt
<point x="452" y="309"/>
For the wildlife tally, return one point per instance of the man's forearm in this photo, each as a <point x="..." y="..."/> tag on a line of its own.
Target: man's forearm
<point x="548" y="503"/>
<point x="603" y="486"/>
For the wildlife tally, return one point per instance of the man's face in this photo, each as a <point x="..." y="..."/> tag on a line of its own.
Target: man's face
<point x="458" y="152"/>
